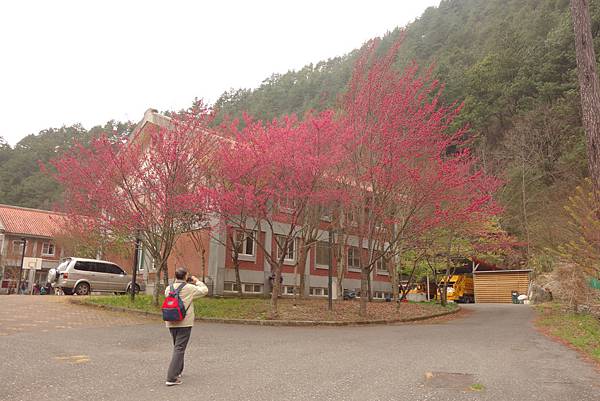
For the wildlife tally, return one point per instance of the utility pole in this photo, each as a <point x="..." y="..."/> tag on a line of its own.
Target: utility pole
<point x="22" y="261"/>
<point x="135" y="266"/>
<point x="330" y="272"/>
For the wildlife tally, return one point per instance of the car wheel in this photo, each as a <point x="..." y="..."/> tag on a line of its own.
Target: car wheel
<point x="137" y="289"/>
<point x="82" y="289"/>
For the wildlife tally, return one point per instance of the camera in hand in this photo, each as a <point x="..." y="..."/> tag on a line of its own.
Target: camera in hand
<point x="189" y="280"/>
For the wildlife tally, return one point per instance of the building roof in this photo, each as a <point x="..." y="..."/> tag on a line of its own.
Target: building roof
<point x="30" y="222"/>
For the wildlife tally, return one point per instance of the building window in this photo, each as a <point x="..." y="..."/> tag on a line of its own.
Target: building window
<point x="244" y="243"/>
<point x="48" y="249"/>
<point x="319" y="291"/>
<point x="290" y="252"/>
<point x="322" y="254"/>
<point x="230" y="286"/>
<point x="252" y="288"/>
<point x="287" y="205"/>
<point x="17" y="247"/>
<point x="381" y="266"/>
<point x="353" y="259"/>
<point x="351" y="218"/>
<point x="327" y="214"/>
<point x="288" y="290"/>
<point x="382" y="295"/>
<point x="249" y="288"/>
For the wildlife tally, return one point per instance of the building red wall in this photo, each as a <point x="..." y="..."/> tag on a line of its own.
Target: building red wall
<point x="188" y="251"/>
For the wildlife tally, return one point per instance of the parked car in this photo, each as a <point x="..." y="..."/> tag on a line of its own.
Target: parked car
<point x="349" y="294"/>
<point x="82" y="276"/>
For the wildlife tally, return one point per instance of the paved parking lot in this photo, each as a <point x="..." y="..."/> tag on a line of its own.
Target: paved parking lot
<point x="115" y="357"/>
<point x="26" y="313"/>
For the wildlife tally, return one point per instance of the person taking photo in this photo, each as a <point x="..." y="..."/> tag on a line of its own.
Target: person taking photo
<point x="188" y="290"/>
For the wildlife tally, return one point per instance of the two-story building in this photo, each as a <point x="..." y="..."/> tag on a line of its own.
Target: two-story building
<point x="32" y="231"/>
<point x="213" y="259"/>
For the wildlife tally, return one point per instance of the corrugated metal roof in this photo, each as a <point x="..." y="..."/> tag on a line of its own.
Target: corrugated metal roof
<point x="33" y="222"/>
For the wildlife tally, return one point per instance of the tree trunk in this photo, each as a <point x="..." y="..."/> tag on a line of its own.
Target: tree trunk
<point x="588" y="86"/>
<point x="161" y="280"/>
<point x="156" y="292"/>
<point x="275" y="292"/>
<point x="203" y="266"/>
<point x="524" y="199"/>
<point x="370" y="287"/>
<point x="364" y="288"/>
<point x="238" y="280"/>
<point x="341" y="269"/>
<point x="165" y="270"/>
<point x="301" y="269"/>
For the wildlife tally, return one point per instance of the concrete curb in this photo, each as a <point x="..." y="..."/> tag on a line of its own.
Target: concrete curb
<point x="288" y="323"/>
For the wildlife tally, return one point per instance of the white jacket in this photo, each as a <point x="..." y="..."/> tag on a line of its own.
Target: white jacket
<point x="187" y="294"/>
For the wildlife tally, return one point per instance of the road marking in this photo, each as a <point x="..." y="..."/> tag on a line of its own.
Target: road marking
<point x="74" y="359"/>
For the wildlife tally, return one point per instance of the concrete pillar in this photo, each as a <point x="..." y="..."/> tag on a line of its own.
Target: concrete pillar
<point x="216" y="260"/>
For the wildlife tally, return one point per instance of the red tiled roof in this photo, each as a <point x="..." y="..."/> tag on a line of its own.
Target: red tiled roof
<point x="34" y="222"/>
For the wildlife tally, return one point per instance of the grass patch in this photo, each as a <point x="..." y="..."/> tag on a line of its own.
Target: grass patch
<point x="229" y="308"/>
<point x="477" y="387"/>
<point x="289" y="309"/>
<point x="581" y="330"/>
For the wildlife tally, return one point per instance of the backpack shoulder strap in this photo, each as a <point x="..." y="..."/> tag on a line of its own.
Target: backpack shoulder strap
<point x="179" y="288"/>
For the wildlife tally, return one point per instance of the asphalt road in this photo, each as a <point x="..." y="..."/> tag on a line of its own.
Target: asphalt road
<point x="495" y="348"/>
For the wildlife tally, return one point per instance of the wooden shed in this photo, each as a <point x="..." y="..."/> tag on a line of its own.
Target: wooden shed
<point x="496" y="286"/>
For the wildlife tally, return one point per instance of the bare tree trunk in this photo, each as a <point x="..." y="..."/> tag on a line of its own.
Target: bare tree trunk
<point x="370" y="287"/>
<point x="341" y="263"/>
<point x="524" y="200"/>
<point x="300" y="268"/>
<point x="235" y="246"/>
<point x="394" y="282"/>
<point x="203" y="266"/>
<point x="364" y="288"/>
<point x="589" y="86"/>
<point x="156" y="292"/>
<point x="275" y="293"/>
<point x="161" y="280"/>
<point x="238" y="280"/>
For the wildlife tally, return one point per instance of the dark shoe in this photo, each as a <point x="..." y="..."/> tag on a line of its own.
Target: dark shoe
<point x="175" y="383"/>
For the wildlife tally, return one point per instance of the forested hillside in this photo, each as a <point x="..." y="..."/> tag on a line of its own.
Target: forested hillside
<point x="511" y="62"/>
<point x="22" y="182"/>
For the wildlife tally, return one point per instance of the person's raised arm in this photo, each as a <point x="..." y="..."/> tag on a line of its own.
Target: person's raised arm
<point x="200" y="289"/>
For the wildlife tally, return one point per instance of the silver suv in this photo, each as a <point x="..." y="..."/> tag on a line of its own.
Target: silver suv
<point x="82" y="276"/>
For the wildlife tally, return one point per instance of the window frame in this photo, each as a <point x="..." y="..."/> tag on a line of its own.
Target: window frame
<point x="242" y="255"/>
<point x="285" y="288"/>
<point x="287" y="206"/>
<point x="353" y="268"/>
<point x="381" y="268"/>
<point x="294" y="248"/>
<point x="317" y="264"/>
<point x="254" y="285"/>
<point x="232" y="285"/>
<point x="324" y="292"/>
<point x="50" y="244"/>
<point x="18" y="250"/>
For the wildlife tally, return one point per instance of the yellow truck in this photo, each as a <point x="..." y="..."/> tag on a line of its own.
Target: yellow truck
<point x="460" y="288"/>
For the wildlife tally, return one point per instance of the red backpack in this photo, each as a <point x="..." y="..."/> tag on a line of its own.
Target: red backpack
<point x="173" y="308"/>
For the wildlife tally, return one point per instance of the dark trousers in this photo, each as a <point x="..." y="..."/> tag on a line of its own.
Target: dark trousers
<point x="181" y="336"/>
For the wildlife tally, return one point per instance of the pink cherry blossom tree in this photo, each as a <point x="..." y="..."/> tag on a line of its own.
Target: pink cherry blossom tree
<point x="152" y="185"/>
<point x="408" y="168"/>
<point x="270" y="175"/>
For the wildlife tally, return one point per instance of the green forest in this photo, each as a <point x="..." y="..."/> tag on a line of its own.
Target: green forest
<point x="511" y="62"/>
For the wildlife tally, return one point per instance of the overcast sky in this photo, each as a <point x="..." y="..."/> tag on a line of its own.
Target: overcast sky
<point x="63" y="62"/>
